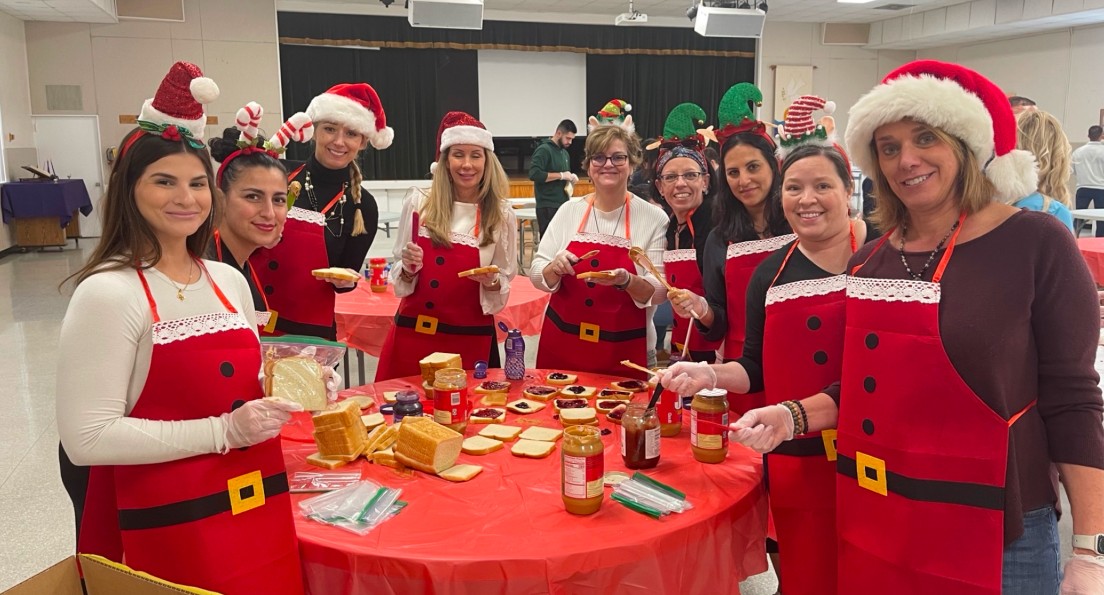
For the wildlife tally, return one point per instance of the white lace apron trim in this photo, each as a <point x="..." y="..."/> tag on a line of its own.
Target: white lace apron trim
<point x="807" y="288"/>
<point x="169" y="331"/>
<point x="456" y="238"/>
<point x="893" y="290"/>
<point x="758" y="246"/>
<point x="306" y="216"/>
<point x="682" y="255"/>
<point x="601" y="238"/>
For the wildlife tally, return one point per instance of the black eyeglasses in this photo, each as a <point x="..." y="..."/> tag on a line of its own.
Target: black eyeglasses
<point x="618" y="159"/>
<point x="690" y="177"/>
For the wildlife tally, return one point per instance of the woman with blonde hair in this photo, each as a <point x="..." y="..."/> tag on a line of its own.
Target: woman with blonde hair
<point x="463" y="223"/>
<point x="1041" y="134"/>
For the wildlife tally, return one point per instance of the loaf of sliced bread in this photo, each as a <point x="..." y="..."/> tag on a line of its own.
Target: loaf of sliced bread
<point x="339" y="432"/>
<point x="478" y="445"/>
<point x="297" y="378"/>
<point x="427" y="445"/>
<point x="438" y="361"/>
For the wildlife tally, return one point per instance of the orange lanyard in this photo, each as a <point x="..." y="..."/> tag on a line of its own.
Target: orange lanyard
<point x="942" y="261"/>
<point x="252" y="273"/>
<point x="689" y="225"/>
<point x="590" y="205"/>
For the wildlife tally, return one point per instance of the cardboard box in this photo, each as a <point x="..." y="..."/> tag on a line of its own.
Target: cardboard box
<point x="102" y="577"/>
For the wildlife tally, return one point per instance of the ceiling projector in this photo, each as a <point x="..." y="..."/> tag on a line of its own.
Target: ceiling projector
<point x="715" y="21"/>
<point x="630" y="18"/>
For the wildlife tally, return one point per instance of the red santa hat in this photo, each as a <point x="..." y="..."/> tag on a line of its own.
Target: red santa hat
<point x="357" y="107"/>
<point x="179" y="98"/>
<point x="956" y="100"/>
<point x="459" y="128"/>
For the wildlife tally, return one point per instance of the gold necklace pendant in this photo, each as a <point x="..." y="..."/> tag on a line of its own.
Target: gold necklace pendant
<point x="180" y="294"/>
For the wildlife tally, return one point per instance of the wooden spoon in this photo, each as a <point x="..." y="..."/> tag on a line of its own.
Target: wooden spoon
<point x="640" y="257"/>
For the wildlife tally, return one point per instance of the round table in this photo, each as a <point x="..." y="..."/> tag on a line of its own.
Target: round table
<point x="1092" y="250"/>
<point x="506" y="530"/>
<point x="364" y="317"/>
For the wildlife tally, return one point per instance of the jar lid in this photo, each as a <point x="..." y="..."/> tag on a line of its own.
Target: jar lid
<point x="713" y="392"/>
<point x="377" y="261"/>
<point x="406" y="396"/>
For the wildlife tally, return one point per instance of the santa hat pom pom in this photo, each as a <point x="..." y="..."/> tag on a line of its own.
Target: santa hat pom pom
<point x="829" y="107"/>
<point x="627" y="108"/>
<point x="204" y="89"/>
<point x="383" y="137"/>
<point x="1014" y="175"/>
<point x="433" y="168"/>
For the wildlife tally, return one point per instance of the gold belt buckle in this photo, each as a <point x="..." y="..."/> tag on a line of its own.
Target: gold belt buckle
<point x="865" y="466"/>
<point x="829" y="438"/>
<point x="426" y="325"/>
<point x="252" y="482"/>
<point x="589" y="332"/>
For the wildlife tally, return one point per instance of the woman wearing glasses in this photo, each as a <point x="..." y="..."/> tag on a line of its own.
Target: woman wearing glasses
<point x="602" y="305"/>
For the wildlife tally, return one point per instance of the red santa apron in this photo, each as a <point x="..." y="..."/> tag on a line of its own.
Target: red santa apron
<point x="219" y="522"/>
<point x="680" y="266"/>
<point x="263" y="317"/>
<point x="920" y="458"/>
<point x="300" y="304"/>
<point x="740" y="262"/>
<point x="444" y="312"/>
<point x="590" y="327"/>
<point x="802" y="354"/>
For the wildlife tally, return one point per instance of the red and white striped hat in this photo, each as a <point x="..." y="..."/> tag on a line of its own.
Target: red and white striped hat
<point x="799" y="127"/>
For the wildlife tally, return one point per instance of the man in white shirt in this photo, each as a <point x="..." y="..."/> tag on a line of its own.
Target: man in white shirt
<point x="1088" y="166"/>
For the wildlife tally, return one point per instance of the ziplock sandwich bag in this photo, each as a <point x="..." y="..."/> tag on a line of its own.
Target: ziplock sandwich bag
<point x="295" y="368"/>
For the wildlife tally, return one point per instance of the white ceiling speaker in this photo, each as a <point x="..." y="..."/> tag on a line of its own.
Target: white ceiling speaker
<point x="446" y="14"/>
<point x="712" y="21"/>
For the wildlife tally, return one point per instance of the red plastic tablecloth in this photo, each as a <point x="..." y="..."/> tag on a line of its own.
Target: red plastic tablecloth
<point x="364" y="318"/>
<point x="1092" y="250"/>
<point x="506" y="531"/>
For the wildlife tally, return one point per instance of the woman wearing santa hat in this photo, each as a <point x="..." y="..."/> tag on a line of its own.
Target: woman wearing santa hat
<point x="187" y="476"/>
<point x="463" y="224"/>
<point x="795" y="312"/>
<point x="967" y="363"/>
<point x="602" y="302"/>
<point x="333" y="221"/>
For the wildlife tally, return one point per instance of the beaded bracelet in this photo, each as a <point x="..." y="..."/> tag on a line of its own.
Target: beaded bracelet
<point x="804" y="418"/>
<point x="791" y="406"/>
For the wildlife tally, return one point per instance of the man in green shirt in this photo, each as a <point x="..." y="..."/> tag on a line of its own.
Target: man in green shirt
<point x="550" y="171"/>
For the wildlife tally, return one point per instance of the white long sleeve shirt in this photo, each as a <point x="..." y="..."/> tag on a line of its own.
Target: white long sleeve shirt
<point x="647" y="226"/>
<point x="104" y="356"/>
<point x="502" y="253"/>
<point x="1088" y="165"/>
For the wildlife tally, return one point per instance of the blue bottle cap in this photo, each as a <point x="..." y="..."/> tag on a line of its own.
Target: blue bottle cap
<point x="480" y="369"/>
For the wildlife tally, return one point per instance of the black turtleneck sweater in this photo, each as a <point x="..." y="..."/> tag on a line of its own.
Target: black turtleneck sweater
<point x="344" y="250"/>
<point x="220" y="252"/>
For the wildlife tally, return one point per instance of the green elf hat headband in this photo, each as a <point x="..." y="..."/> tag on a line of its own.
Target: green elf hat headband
<point x="176" y="111"/>
<point x="684" y="135"/>
<point x="800" y="129"/>
<point x="297" y="128"/>
<point x="614" y="113"/>
<point x="736" y="113"/>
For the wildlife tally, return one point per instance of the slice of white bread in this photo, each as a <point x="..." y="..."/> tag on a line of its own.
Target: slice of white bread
<point x="319" y="461"/>
<point x="560" y="378"/>
<point x="533" y="449"/>
<point x="525" y="406"/>
<point x="297" y="378"/>
<point x="427" y="445"/>
<point x="607" y="405"/>
<point x="380" y="438"/>
<point x="479" y="445"/>
<point x="389" y="396"/>
<point x="578" y="391"/>
<point x="372" y="420"/>
<point x="438" y="361"/>
<point x="484" y="416"/>
<point x="478" y="271"/>
<point x="616" y="414"/>
<point x="500" y="432"/>
<point x="636" y="386"/>
<point x="540" y="392"/>
<point x="362" y="401"/>
<point x="614" y="394"/>
<point x="559" y="402"/>
<point x="541" y="434"/>
<point x="596" y="275"/>
<point x="494" y="399"/>
<point x="460" y="472"/>
<point x="584" y="415"/>
<point x="492" y="386"/>
<point x="341" y="274"/>
<point x="386" y="458"/>
<point x="339" y="432"/>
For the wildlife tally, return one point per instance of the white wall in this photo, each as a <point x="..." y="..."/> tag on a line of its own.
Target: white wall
<point x="1060" y="70"/>
<point x="15" y="103"/>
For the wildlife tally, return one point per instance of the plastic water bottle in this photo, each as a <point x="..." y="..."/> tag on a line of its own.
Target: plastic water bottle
<point x="515" y="353"/>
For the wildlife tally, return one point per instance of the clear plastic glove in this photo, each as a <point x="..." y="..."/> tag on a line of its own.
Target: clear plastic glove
<point x="763" y="429"/>
<point x="689" y="378"/>
<point x="412" y="255"/>
<point x="563" y="263"/>
<point x="569" y="177"/>
<point x="344" y="283"/>
<point x="686" y="303"/>
<point x="1084" y="575"/>
<point x="620" y="277"/>
<point x="485" y="279"/>
<point x="257" y="420"/>
<point x="333" y="383"/>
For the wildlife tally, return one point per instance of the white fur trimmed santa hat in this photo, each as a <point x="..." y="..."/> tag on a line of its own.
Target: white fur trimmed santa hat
<point x="460" y="128"/>
<point x="957" y="100"/>
<point x="357" y="107"/>
<point x="179" y="97"/>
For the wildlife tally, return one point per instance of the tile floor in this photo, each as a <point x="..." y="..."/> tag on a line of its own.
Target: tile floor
<point x="36" y="526"/>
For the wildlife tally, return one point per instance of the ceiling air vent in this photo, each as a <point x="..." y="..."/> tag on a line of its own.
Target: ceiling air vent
<point x="894" y="6"/>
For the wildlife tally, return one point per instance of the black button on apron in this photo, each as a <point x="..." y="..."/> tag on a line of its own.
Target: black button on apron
<point x="429" y="305"/>
<point x="820" y="358"/>
<point x="813" y="323"/>
<point x="589" y="302"/>
<point x="434" y="284"/>
<point x="871" y="341"/>
<point x="868" y="427"/>
<point x="440" y="260"/>
<point x="869" y="384"/>
<point x="273" y="265"/>
<point x="227" y="369"/>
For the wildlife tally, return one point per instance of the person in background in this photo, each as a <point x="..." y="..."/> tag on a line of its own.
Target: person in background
<point x="1088" y="168"/>
<point x="550" y="171"/>
<point x="1040" y="134"/>
<point x="333" y="221"/>
<point x="171" y="416"/>
<point x="967" y="363"/>
<point x="464" y="223"/>
<point x="592" y="324"/>
<point x="1020" y="104"/>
